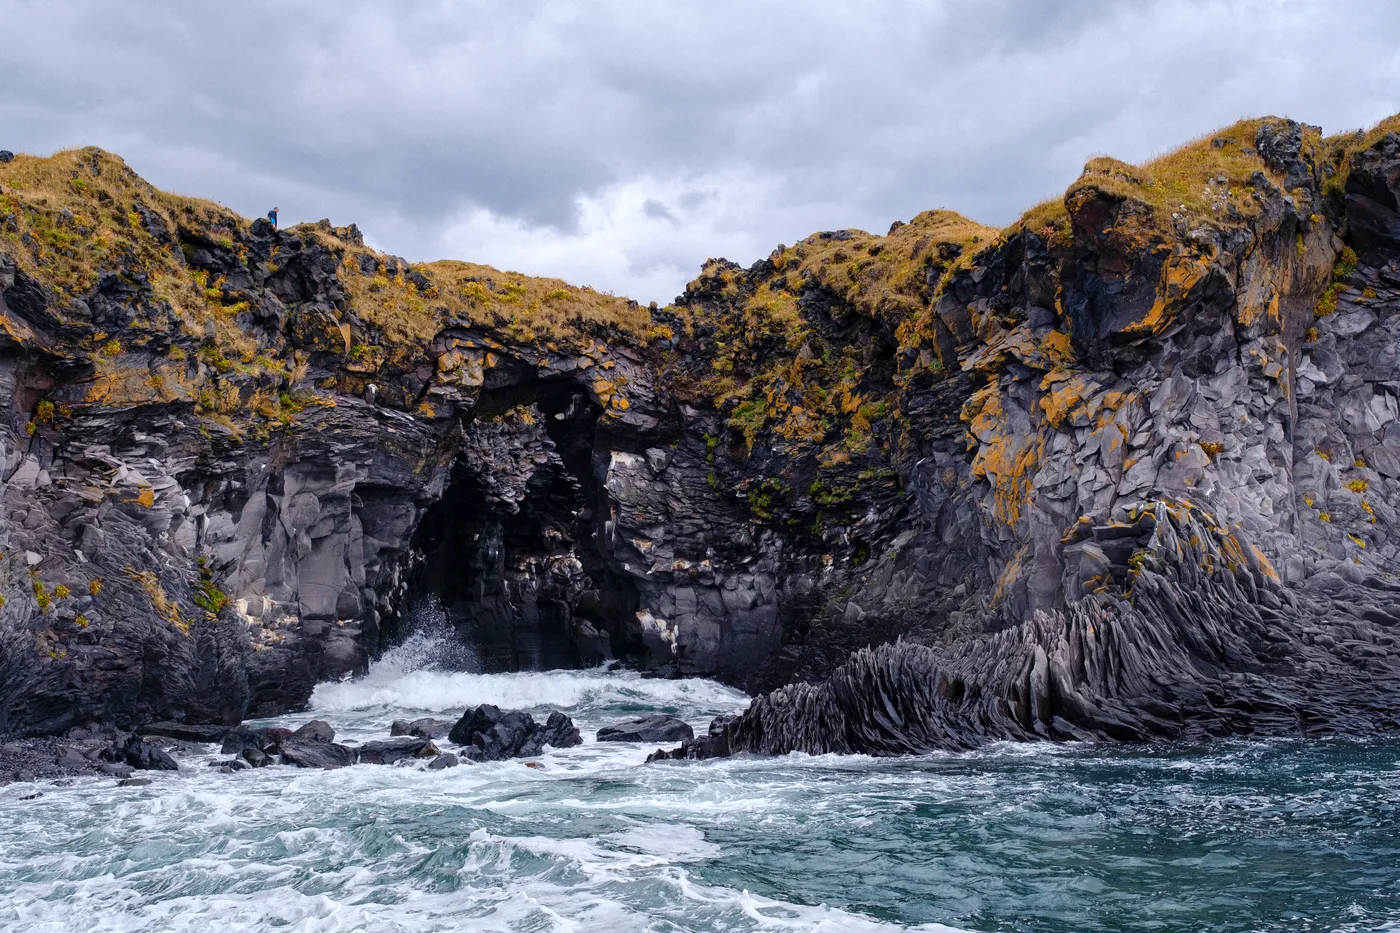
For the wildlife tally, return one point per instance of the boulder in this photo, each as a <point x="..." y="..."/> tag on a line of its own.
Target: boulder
<point x="659" y="728"/>
<point x="147" y="756"/>
<point x="325" y="755"/>
<point x="6" y="156"/>
<point x="239" y="738"/>
<point x="426" y="728"/>
<point x="445" y="760"/>
<point x="255" y="757"/>
<point x="317" y="730"/>
<point x="388" y="751"/>
<point x="490" y="734"/>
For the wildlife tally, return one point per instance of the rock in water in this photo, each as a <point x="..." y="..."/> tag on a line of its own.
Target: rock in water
<point x="388" y="751"/>
<point x="326" y="755"/>
<point x="426" y="728"/>
<point x="492" y="735"/>
<point x="317" y="730"/>
<point x="148" y="756"/>
<point x="255" y="758"/>
<point x="659" y="728"/>
<point x="445" y="760"/>
<point x="239" y="737"/>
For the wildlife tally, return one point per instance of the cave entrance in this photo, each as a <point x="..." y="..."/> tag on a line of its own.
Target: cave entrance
<point x="511" y="550"/>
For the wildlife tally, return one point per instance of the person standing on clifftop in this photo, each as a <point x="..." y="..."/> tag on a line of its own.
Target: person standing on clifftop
<point x="272" y="218"/>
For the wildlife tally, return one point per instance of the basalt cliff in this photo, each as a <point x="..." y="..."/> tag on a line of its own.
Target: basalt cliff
<point x="1129" y="468"/>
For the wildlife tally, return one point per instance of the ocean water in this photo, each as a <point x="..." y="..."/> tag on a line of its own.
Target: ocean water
<point x="1232" y="837"/>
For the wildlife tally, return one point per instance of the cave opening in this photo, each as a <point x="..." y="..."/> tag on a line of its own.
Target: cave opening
<point x="511" y="551"/>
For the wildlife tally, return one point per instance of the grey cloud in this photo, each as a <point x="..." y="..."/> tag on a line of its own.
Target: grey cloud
<point x="412" y="119"/>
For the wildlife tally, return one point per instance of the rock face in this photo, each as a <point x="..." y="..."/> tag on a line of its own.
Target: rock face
<point x="648" y="729"/>
<point x="1210" y="644"/>
<point x="492" y="735"/>
<point x="235" y="456"/>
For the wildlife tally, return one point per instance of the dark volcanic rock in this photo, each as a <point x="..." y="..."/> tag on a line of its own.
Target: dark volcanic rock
<point x="388" y="751"/>
<point x="317" y="730"/>
<point x="148" y="756"/>
<point x="1196" y="653"/>
<point x="426" y="728"/>
<point x="444" y="760"/>
<point x="492" y="735"/>
<point x="658" y="728"/>
<point x="326" y="755"/>
<point x="239" y="738"/>
<point x="185" y="731"/>
<point x="255" y="758"/>
<point x="952" y="439"/>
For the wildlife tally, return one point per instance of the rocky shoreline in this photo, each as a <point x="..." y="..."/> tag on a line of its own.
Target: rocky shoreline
<point x="1127" y="469"/>
<point x="485" y="733"/>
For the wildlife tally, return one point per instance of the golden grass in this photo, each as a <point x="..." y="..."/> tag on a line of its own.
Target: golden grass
<point x="526" y="309"/>
<point x="81" y="212"/>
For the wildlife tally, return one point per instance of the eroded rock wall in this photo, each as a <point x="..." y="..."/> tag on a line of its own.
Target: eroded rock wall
<point x="934" y="436"/>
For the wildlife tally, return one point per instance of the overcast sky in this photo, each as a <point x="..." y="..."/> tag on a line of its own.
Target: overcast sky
<point x="620" y="144"/>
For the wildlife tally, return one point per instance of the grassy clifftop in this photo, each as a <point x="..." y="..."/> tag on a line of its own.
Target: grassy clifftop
<point x="70" y="217"/>
<point x="797" y="348"/>
<point x="176" y="299"/>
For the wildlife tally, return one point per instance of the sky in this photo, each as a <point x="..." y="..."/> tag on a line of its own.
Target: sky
<point x="621" y="144"/>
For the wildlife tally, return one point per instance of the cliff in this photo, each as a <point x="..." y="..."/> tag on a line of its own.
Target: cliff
<point x="1161" y="411"/>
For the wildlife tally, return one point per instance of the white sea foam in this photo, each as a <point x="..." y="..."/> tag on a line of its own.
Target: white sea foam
<point x="593" y="841"/>
<point x="437" y="691"/>
<point x="402" y="680"/>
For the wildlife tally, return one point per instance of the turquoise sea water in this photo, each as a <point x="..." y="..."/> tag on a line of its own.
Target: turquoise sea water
<point x="1231" y="837"/>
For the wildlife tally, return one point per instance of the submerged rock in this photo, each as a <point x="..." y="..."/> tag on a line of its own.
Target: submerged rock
<point x="492" y="735"/>
<point x="658" y="728"/>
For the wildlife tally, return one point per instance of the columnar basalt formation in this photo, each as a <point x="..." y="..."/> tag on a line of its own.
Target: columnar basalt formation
<point x="1128" y="468"/>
